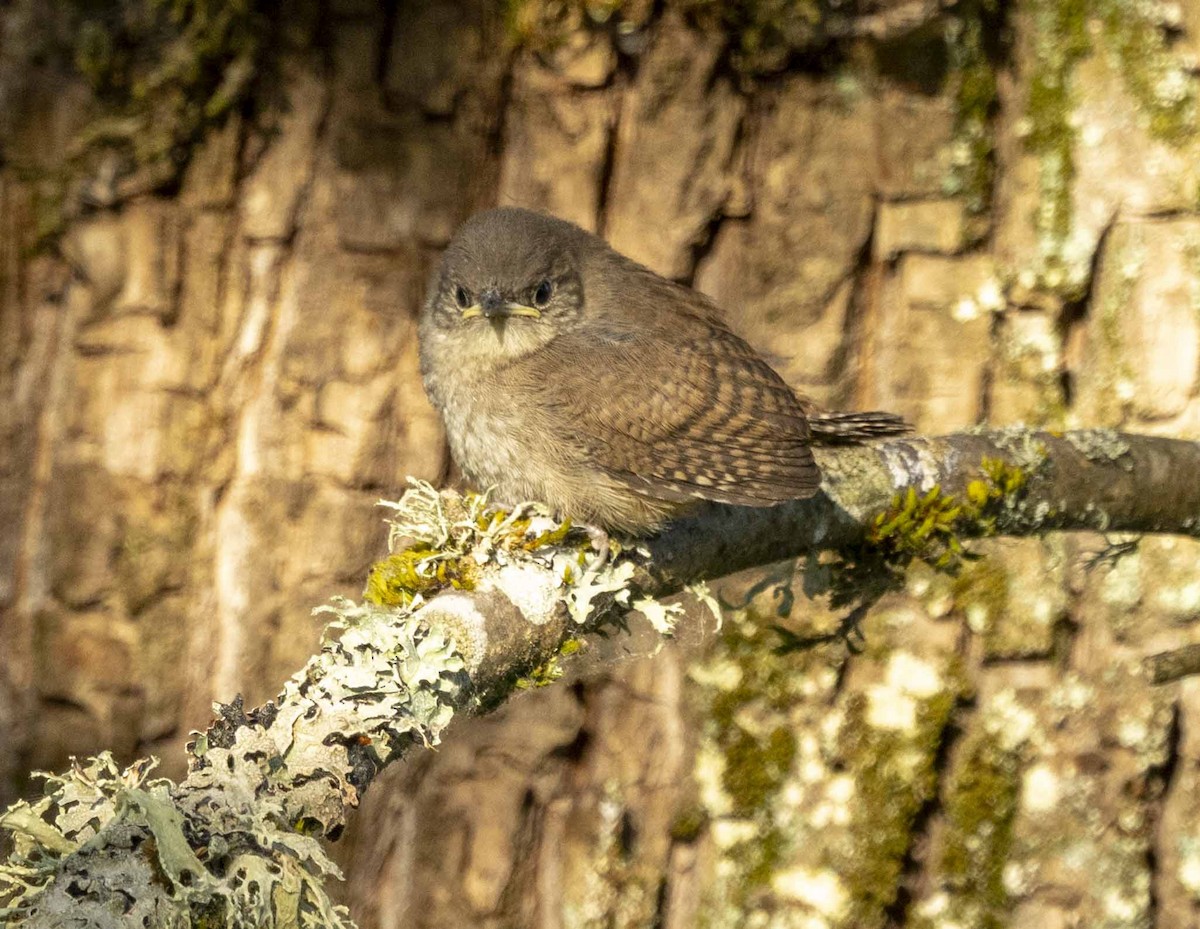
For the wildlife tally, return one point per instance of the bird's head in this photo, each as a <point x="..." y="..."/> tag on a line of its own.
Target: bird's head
<point x="510" y="281"/>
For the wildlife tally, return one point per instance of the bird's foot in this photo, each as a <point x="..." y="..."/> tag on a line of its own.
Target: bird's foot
<point x="603" y="546"/>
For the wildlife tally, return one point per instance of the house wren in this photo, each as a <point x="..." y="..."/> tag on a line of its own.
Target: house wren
<point x="569" y="374"/>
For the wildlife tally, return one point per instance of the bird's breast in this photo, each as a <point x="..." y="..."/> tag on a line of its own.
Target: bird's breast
<point x="485" y="437"/>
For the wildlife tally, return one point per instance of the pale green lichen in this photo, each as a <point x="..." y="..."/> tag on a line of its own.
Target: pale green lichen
<point x="1106" y="445"/>
<point x="444" y="540"/>
<point x="384" y="666"/>
<point x="704" y="595"/>
<point x="1023" y="445"/>
<point x="254" y="869"/>
<point x="661" y="616"/>
<point x="449" y="541"/>
<point x="386" y="678"/>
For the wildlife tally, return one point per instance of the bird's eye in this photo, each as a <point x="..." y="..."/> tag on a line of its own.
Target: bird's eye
<point x="541" y="296"/>
<point x="461" y="297"/>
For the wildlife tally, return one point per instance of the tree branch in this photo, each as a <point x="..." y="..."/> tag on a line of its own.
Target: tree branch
<point x="1085" y="480"/>
<point x="481" y="603"/>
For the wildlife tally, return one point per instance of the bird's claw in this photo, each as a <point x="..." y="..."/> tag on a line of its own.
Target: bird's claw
<point x="601" y="543"/>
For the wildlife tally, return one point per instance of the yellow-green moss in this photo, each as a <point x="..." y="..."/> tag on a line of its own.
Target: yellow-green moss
<point x="896" y="775"/>
<point x="543" y="675"/>
<point x="980" y="806"/>
<point x="162" y="73"/>
<point x="748" y="723"/>
<point x="1002" y="483"/>
<point x="395" y="580"/>
<point x="981" y="592"/>
<point x="518" y="532"/>
<point x="554" y="536"/>
<point x="1060" y="41"/>
<point x="969" y="34"/>
<point x="1161" y="84"/>
<point x="922" y="526"/>
<point x="927" y="526"/>
<point x="550" y="671"/>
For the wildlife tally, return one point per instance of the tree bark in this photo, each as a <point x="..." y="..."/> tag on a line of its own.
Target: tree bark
<point x="972" y="214"/>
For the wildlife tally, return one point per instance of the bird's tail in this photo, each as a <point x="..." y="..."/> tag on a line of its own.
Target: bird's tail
<point x="829" y="428"/>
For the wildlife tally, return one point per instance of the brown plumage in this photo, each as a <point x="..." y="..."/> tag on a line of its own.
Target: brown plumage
<point x="567" y="373"/>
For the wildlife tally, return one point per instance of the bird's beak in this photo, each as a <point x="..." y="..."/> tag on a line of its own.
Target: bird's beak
<point x="516" y="309"/>
<point x="492" y="306"/>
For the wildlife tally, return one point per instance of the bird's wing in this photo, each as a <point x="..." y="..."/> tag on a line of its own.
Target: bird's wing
<point x="682" y="412"/>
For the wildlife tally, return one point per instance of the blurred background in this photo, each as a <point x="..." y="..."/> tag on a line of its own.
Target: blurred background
<point x="216" y="223"/>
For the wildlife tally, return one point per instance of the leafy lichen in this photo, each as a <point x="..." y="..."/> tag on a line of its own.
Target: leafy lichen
<point x="1106" y="445"/>
<point x="223" y="866"/>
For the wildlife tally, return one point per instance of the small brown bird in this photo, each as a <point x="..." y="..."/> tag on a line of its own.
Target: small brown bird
<point x="569" y="374"/>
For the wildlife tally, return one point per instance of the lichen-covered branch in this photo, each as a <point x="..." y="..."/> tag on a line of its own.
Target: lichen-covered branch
<point x="1084" y="480"/>
<point x="475" y="603"/>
